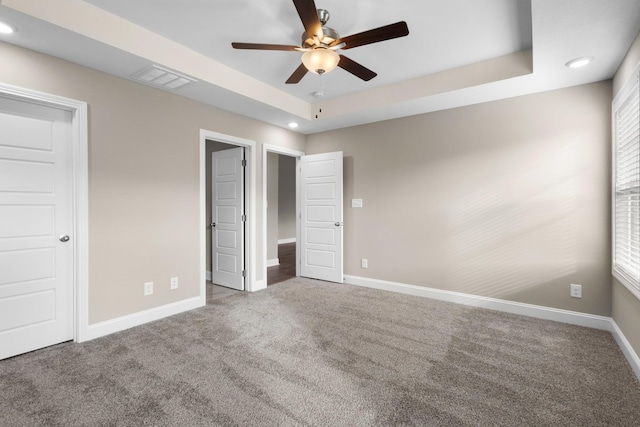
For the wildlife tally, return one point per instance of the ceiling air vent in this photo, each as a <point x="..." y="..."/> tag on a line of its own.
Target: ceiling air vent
<point x="161" y="77"/>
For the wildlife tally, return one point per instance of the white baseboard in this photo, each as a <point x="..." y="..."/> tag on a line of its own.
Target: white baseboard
<point x="209" y="275"/>
<point x="625" y="346"/>
<point x="537" y="311"/>
<point x="273" y="262"/>
<point x="136" y="319"/>
<point x="289" y="240"/>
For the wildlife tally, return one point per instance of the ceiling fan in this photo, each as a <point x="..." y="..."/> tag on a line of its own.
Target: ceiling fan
<point x="320" y="43"/>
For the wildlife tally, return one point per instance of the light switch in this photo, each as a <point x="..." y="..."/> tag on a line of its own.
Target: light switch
<point x="356" y="203"/>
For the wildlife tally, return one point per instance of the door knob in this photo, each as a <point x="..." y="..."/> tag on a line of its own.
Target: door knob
<point x="212" y="225"/>
<point x="64" y="238"/>
<point x="338" y="224"/>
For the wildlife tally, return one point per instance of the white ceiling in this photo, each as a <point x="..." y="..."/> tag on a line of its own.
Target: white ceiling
<point x="458" y="52"/>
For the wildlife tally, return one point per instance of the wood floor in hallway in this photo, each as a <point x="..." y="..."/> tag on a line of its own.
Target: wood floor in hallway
<point x="275" y="274"/>
<point x="287" y="267"/>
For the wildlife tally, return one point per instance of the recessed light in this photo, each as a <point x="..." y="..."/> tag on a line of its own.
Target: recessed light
<point x="579" y="62"/>
<point x="6" y="28"/>
<point x="293" y="125"/>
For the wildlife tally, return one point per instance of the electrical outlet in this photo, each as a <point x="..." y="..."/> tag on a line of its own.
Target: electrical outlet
<point x="174" y="283"/>
<point x="576" y="291"/>
<point x="365" y="263"/>
<point x="148" y="288"/>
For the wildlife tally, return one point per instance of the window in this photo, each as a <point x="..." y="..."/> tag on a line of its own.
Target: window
<point x="626" y="185"/>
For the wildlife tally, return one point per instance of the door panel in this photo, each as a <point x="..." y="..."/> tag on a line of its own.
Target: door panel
<point x="36" y="282"/>
<point x="27" y="265"/>
<point x="26" y="221"/>
<point x="321" y="222"/>
<point x="318" y="258"/>
<point x="322" y="236"/>
<point x="38" y="134"/>
<point x="21" y="176"/>
<point x="227" y="210"/>
<point x="27" y="310"/>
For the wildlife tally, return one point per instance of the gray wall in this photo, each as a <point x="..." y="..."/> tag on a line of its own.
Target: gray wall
<point x="507" y="199"/>
<point x="144" y="188"/>
<point x="625" y="306"/>
<point x="287" y="198"/>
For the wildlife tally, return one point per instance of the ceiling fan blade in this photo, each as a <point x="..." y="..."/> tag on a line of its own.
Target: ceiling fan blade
<point x="262" y="46"/>
<point x="388" y="32"/>
<point x="309" y="16"/>
<point x="356" y="69"/>
<point x="297" y="75"/>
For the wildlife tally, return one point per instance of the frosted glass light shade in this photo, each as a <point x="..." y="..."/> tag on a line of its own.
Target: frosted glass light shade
<point x="320" y="60"/>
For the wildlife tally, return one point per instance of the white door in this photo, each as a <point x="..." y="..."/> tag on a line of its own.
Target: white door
<point x="36" y="250"/>
<point x="227" y="228"/>
<point x="321" y="217"/>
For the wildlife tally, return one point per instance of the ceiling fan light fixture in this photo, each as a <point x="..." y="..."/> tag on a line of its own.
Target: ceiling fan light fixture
<point x="320" y="60"/>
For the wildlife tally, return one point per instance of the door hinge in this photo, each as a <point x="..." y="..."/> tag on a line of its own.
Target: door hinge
<point x="244" y="163"/>
<point x="244" y="218"/>
<point x="244" y="273"/>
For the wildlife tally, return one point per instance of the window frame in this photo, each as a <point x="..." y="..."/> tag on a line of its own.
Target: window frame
<point x="630" y="88"/>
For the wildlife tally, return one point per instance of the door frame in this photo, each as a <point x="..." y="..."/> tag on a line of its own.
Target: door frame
<point x="267" y="148"/>
<point x="252" y="284"/>
<point x="79" y="195"/>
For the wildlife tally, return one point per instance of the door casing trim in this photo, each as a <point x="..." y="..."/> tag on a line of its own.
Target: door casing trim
<point x="252" y="284"/>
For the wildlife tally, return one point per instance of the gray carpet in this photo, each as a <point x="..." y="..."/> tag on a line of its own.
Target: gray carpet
<point x="314" y="353"/>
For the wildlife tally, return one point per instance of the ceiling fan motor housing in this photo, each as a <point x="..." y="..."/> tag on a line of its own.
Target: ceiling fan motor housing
<point x="329" y="34"/>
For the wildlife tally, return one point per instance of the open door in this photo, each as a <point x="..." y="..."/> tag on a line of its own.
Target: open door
<point x="321" y="231"/>
<point x="227" y="228"/>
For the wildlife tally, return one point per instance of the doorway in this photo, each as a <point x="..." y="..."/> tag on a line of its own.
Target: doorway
<point x="280" y="269"/>
<point x="210" y="143"/>
<point x="281" y="217"/>
<point x="319" y="213"/>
